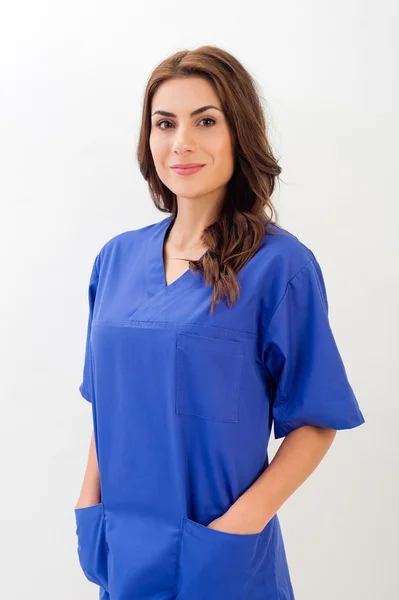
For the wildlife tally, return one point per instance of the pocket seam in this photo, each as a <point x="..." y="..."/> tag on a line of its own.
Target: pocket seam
<point x="242" y="536"/>
<point x="98" y="505"/>
<point x="193" y="339"/>
<point x="200" y="547"/>
<point x="191" y="347"/>
<point x="178" y="553"/>
<point x="86" y="514"/>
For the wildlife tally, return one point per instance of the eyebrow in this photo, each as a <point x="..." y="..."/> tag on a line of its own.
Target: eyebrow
<point x="165" y="113"/>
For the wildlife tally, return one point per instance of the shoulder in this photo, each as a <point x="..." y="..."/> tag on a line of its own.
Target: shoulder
<point x="125" y="242"/>
<point x="285" y="253"/>
<point x="282" y="260"/>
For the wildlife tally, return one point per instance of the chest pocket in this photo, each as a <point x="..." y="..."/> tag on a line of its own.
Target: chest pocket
<point x="208" y="377"/>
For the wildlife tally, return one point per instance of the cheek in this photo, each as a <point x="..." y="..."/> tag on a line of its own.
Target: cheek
<point x="156" y="140"/>
<point x="224" y="155"/>
<point x="222" y="147"/>
<point x="159" y="153"/>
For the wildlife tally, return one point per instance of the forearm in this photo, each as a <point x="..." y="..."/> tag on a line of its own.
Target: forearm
<point x="297" y="457"/>
<point x="90" y="492"/>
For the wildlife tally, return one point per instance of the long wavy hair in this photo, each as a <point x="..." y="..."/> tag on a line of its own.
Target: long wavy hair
<point x="243" y="221"/>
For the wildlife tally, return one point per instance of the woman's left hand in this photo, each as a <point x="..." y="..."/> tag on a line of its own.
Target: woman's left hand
<point x="229" y="523"/>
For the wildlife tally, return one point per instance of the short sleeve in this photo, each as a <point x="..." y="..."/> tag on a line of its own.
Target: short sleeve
<point x="86" y="386"/>
<point x="311" y="383"/>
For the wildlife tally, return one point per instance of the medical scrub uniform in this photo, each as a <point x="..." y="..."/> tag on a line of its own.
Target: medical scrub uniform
<point x="183" y="403"/>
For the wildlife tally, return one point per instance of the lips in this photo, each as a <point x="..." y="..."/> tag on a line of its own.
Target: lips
<point x="186" y="165"/>
<point x="187" y="169"/>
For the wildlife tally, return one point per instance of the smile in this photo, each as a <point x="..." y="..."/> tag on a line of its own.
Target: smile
<point x="186" y="171"/>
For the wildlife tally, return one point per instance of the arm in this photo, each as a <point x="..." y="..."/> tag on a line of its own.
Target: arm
<point x="90" y="492"/>
<point x="297" y="457"/>
<point x="312" y="398"/>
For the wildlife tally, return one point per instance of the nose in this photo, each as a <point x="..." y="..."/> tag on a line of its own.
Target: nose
<point x="183" y="141"/>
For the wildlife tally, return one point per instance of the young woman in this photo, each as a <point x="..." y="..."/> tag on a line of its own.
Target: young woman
<point x="204" y="329"/>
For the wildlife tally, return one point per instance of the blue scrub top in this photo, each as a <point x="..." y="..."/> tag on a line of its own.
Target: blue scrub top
<point x="183" y="404"/>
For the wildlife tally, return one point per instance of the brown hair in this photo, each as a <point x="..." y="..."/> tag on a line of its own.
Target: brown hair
<point x="235" y="237"/>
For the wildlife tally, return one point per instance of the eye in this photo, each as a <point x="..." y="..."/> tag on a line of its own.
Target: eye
<point x="203" y="119"/>
<point x="208" y="119"/>
<point x="160" y="123"/>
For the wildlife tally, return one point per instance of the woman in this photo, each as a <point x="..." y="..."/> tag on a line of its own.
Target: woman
<point x="204" y="328"/>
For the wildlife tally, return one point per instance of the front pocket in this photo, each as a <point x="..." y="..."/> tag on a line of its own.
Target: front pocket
<point x="215" y="564"/>
<point x="92" y="544"/>
<point x="208" y="377"/>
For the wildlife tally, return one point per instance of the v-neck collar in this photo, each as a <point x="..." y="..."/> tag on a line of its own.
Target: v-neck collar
<point x="157" y="293"/>
<point x="156" y="278"/>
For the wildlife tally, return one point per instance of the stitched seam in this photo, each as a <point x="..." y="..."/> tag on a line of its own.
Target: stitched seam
<point x="272" y="542"/>
<point x="283" y="396"/>
<point x="285" y="292"/>
<point x="318" y="283"/>
<point x="172" y="323"/>
<point x="178" y="558"/>
<point x="180" y="392"/>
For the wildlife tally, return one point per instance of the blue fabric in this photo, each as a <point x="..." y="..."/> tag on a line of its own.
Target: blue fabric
<point x="183" y="404"/>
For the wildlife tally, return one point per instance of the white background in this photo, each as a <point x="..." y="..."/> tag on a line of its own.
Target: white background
<point x="72" y="79"/>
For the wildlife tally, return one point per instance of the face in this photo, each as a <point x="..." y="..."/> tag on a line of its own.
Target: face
<point x="179" y="137"/>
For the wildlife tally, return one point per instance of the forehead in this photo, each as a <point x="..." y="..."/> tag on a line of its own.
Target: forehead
<point x="183" y="95"/>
